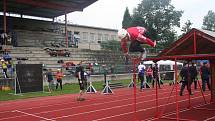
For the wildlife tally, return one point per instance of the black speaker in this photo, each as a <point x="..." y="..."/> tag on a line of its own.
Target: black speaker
<point x="29" y="78"/>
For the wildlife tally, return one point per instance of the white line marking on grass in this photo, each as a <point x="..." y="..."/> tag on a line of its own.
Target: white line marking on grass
<point x="29" y="114"/>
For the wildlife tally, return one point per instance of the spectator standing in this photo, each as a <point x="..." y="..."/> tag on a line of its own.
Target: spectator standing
<point x="184" y="73"/>
<point x="155" y="70"/>
<point x="205" y="74"/>
<point x="105" y="71"/>
<point x="193" y="75"/>
<point x="141" y="71"/>
<point x="50" y="80"/>
<point x="149" y="73"/>
<point x="59" y="76"/>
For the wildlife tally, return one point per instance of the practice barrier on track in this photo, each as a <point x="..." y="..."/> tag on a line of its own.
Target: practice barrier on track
<point x="91" y="89"/>
<point x="107" y="89"/>
<point x="29" y="78"/>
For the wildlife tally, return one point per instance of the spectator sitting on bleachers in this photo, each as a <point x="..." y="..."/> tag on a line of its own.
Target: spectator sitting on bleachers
<point x="4" y="68"/>
<point x="7" y="57"/>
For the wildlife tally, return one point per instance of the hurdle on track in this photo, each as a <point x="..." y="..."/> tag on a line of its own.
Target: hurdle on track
<point x="107" y="89"/>
<point x="91" y="89"/>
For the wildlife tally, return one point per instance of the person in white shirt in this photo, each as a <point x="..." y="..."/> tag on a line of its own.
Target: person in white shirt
<point x="141" y="71"/>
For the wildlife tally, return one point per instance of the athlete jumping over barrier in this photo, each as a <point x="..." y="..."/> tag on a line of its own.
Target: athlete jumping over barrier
<point x="137" y="37"/>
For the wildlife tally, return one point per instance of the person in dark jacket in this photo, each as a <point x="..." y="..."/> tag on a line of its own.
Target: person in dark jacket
<point x="185" y="75"/>
<point x="81" y="80"/>
<point x="205" y="74"/>
<point x="193" y="75"/>
<point x="155" y="70"/>
<point x="50" y="79"/>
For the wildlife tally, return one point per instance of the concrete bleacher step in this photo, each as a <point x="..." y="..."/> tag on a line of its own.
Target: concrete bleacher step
<point x="38" y="55"/>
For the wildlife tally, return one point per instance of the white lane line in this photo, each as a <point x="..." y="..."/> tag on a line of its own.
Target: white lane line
<point x="143" y="109"/>
<point x="58" y="104"/>
<point x="173" y="112"/>
<point x="114" y="101"/>
<point x="210" y="118"/>
<point x="92" y="104"/>
<point x="29" y="114"/>
<point x="141" y="96"/>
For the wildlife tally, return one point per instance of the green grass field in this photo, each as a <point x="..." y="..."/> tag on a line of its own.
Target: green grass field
<point x="67" y="89"/>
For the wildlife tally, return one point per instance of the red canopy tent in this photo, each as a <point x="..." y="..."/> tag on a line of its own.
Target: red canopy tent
<point x="195" y="45"/>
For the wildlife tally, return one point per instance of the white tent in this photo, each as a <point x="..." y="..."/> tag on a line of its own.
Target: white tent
<point x="162" y="62"/>
<point x="148" y="62"/>
<point x="168" y="62"/>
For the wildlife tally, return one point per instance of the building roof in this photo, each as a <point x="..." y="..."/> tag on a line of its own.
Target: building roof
<point x="45" y="8"/>
<point x="187" y="48"/>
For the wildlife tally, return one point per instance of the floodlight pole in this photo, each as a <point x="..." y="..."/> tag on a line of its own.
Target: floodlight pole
<point x="5" y="20"/>
<point x="66" y="32"/>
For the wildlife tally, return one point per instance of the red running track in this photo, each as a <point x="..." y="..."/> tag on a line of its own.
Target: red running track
<point x="99" y="107"/>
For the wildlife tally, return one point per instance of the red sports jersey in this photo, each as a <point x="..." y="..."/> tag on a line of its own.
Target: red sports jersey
<point x="135" y="34"/>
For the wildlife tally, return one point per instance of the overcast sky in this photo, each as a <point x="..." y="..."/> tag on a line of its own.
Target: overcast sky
<point x="109" y="13"/>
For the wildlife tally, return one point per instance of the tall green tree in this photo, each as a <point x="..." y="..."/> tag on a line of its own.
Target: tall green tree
<point x="159" y="17"/>
<point x="186" y="27"/>
<point x="209" y="21"/>
<point x="126" y="19"/>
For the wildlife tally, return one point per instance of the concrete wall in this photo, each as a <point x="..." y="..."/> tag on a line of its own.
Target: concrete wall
<point x="95" y="78"/>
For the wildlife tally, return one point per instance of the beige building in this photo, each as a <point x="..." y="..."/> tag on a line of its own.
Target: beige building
<point x="90" y="37"/>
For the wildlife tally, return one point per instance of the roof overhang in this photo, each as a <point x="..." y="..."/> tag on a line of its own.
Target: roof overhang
<point x="44" y="8"/>
<point x="195" y="45"/>
<point x="183" y="57"/>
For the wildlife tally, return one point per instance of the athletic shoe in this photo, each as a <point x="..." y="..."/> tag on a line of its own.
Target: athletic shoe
<point x="80" y="99"/>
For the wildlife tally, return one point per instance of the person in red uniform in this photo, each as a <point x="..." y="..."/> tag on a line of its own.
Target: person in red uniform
<point x="137" y="37"/>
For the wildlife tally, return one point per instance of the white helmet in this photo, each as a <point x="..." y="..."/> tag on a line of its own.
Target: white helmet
<point x="122" y="33"/>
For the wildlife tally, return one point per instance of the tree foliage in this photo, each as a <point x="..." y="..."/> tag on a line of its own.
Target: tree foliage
<point x="209" y="21"/>
<point x="186" y="27"/>
<point x="126" y="19"/>
<point x="158" y="17"/>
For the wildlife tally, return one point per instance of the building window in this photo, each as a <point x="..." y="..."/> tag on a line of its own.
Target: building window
<point x="92" y="37"/>
<point x="106" y="37"/>
<point x="99" y="37"/>
<point x="113" y="37"/>
<point x="85" y="36"/>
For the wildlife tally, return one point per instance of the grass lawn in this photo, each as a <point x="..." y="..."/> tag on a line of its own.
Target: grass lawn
<point x="67" y="89"/>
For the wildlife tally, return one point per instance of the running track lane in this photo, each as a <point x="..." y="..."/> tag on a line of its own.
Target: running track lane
<point x="124" y="105"/>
